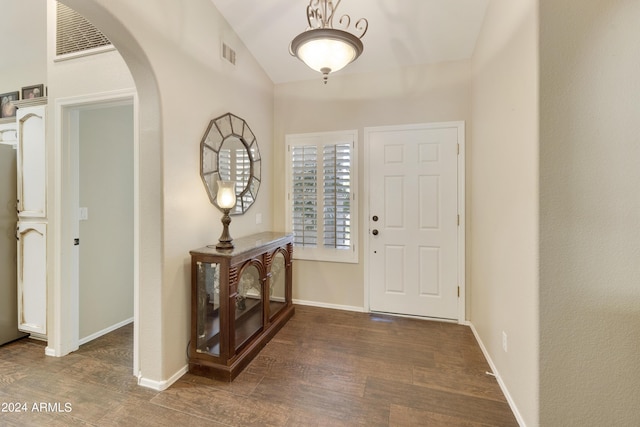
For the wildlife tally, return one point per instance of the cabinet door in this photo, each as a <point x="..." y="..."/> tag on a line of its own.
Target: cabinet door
<point x="31" y="162"/>
<point x="207" y="306"/>
<point x="277" y="284"/>
<point x="248" y="306"/>
<point x="32" y="277"/>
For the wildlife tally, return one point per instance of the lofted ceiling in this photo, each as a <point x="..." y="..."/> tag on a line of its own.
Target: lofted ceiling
<point x="401" y="33"/>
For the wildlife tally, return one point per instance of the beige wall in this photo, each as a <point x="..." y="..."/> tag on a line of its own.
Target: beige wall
<point x="432" y="93"/>
<point x="503" y="188"/>
<point x="589" y="210"/>
<point x="106" y="237"/>
<point x="17" y="67"/>
<point x="172" y="50"/>
<point x="70" y="79"/>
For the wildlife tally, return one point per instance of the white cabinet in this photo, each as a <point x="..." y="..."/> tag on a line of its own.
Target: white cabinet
<point x="32" y="197"/>
<point x="32" y="277"/>
<point x="32" y="216"/>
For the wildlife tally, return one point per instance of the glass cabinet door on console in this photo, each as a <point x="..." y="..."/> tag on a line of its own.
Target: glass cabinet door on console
<point x="277" y="284"/>
<point x="248" y="317"/>
<point x="240" y="298"/>
<point x="208" y="320"/>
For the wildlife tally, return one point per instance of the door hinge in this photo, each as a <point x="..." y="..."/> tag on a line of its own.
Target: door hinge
<point x="458" y="220"/>
<point x="458" y="149"/>
<point x="458" y="291"/>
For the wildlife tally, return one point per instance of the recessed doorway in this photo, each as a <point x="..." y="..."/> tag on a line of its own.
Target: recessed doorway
<point x="99" y="213"/>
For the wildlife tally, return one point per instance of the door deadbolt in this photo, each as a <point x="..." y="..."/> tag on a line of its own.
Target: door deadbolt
<point x="375" y="218"/>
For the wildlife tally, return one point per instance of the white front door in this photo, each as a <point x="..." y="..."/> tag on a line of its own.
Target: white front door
<point x="413" y="220"/>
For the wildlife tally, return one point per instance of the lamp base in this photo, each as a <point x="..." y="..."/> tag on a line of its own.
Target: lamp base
<point x="224" y="242"/>
<point x="224" y="245"/>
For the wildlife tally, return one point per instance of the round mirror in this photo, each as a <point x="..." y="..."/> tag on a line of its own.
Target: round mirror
<point x="229" y="152"/>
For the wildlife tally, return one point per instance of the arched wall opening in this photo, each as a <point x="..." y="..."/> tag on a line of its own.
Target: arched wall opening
<point x="172" y="51"/>
<point x="148" y="182"/>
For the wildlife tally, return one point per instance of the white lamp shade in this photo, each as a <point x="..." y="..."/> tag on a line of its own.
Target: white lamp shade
<point x="326" y="49"/>
<point x="226" y="194"/>
<point x="326" y="53"/>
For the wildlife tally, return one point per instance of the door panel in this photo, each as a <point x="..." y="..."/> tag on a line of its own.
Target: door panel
<point x="429" y="271"/>
<point x="31" y="162"/>
<point x="32" y="277"/>
<point x="413" y="252"/>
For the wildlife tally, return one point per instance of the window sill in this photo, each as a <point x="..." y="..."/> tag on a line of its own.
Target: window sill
<point x="327" y="255"/>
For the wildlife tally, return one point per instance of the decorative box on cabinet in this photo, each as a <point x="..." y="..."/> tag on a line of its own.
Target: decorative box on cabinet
<point x="240" y="298"/>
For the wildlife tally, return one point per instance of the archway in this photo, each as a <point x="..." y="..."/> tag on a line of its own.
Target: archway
<point x="148" y="262"/>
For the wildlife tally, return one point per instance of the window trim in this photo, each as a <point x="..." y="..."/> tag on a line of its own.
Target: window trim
<point x="320" y="139"/>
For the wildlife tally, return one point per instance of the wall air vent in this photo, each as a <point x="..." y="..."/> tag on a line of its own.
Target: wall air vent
<point x="228" y="53"/>
<point x="75" y="34"/>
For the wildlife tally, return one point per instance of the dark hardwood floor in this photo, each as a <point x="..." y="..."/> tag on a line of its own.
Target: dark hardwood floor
<point x="324" y="368"/>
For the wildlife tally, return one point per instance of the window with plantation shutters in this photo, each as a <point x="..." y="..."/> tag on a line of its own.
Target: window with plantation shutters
<point x="321" y="195"/>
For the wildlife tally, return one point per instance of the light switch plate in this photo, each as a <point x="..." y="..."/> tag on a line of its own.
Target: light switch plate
<point x="83" y="214"/>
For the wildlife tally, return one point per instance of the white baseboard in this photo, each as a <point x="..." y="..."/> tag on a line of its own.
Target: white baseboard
<point x="36" y="336"/>
<point x="162" y="385"/>
<point x="327" y="305"/>
<point x="105" y="331"/>
<point x="495" y="372"/>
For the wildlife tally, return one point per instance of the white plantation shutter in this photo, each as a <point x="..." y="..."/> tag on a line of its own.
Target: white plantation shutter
<point x="322" y="208"/>
<point x="337" y="196"/>
<point x="304" y="195"/>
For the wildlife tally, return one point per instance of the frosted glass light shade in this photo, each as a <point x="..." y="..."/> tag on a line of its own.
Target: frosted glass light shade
<point x="326" y="53"/>
<point x="326" y="50"/>
<point x="226" y="194"/>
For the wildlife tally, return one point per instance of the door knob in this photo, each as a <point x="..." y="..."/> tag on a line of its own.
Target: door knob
<point x="374" y="232"/>
<point x="375" y="218"/>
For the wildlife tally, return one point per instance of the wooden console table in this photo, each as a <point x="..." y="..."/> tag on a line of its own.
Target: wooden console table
<point x="240" y="298"/>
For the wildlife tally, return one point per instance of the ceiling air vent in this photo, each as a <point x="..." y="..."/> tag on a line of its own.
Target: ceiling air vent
<point x="75" y="34"/>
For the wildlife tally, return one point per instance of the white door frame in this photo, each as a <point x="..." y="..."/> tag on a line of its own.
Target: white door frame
<point x="460" y="125"/>
<point x="64" y="302"/>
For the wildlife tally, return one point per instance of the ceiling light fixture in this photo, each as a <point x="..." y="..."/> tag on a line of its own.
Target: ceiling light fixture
<point x="324" y="48"/>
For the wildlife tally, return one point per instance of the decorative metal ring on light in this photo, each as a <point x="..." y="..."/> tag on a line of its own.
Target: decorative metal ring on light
<point x="324" y="48"/>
